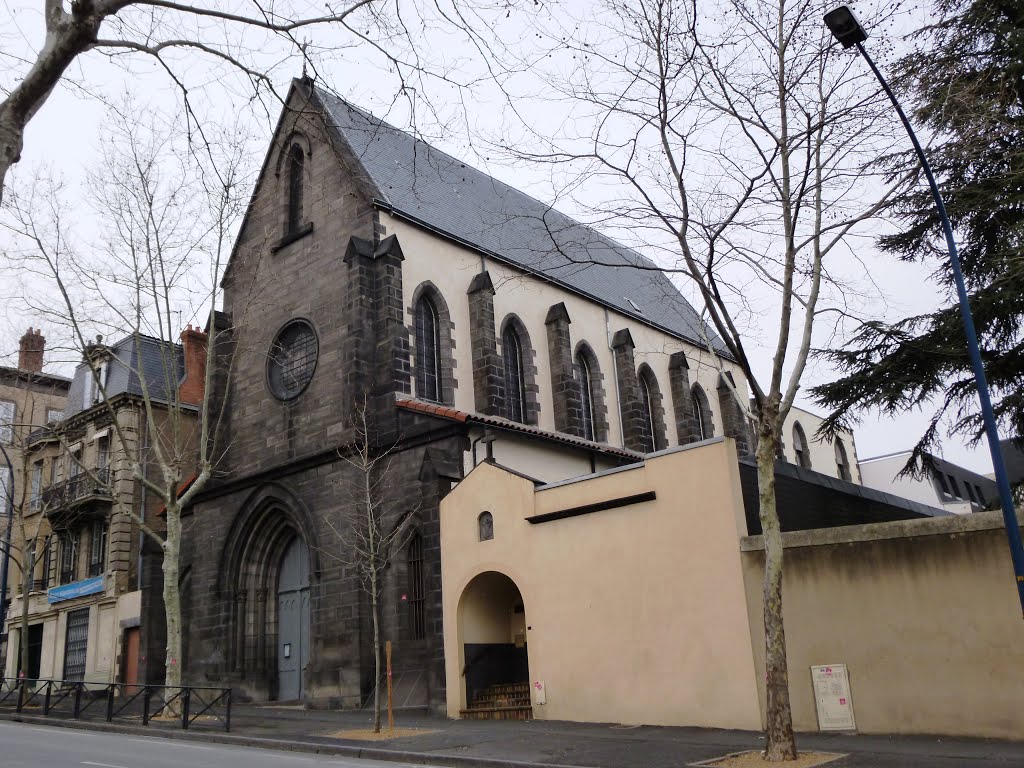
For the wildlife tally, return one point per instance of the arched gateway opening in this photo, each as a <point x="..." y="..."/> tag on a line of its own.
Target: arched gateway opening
<point x="493" y="649"/>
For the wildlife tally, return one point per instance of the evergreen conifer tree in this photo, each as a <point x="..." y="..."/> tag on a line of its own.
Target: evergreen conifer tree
<point x="966" y="83"/>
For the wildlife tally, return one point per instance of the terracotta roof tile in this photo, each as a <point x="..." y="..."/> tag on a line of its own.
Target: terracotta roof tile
<point x="464" y="417"/>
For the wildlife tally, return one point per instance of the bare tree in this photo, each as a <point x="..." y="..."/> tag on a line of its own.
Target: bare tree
<point x="168" y="216"/>
<point x="242" y="44"/>
<point x="370" y="529"/>
<point x="733" y="147"/>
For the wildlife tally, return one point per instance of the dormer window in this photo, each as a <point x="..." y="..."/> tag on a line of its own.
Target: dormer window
<point x="95" y="382"/>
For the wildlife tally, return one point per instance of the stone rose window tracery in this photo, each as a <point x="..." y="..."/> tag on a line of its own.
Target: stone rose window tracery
<point x="292" y="360"/>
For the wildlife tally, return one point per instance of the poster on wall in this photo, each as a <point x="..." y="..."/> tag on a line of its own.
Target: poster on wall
<point x="832" y="697"/>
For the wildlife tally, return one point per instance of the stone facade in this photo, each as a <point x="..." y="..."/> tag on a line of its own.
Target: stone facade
<point x="565" y="387"/>
<point x="286" y="472"/>
<point x="353" y="275"/>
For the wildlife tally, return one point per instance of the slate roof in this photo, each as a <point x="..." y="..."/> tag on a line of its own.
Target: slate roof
<point x="131" y="360"/>
<point x="422" y="183"/>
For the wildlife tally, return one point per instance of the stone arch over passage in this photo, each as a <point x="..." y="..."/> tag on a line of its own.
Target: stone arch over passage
<point x="492" y="631"/>
<point x="269" y="565"/>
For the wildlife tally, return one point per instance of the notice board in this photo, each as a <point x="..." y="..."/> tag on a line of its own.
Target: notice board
<point x="832" y="697"/>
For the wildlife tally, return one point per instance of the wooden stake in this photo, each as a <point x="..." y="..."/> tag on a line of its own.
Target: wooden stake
<point x="391" y="712"/>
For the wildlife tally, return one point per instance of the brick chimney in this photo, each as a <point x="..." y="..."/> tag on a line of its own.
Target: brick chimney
<point x="30" y="351"/>
<point x="192" y="387"/>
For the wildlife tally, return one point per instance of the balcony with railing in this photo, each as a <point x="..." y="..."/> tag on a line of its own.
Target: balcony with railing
<point x="77" y="493"/>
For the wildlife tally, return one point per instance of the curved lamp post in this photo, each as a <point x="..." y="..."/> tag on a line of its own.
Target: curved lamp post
<point x="848" y="31"/>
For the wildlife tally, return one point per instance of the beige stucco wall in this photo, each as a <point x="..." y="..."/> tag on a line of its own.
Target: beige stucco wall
<point x="924" y="613"/>
<point x="451" y="268"/>
<point x="634" y="614"/>
<point x="543" y="460"/>
<point x="822" y="451"/>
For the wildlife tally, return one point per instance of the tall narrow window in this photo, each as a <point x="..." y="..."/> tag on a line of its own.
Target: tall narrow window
<point x="842" y="462"/>
<point x="702" y="413"/>
<point x="428" y="351"/>
<point x="586" y="396"/>
<point x="44" y="582"/>
<point x="416" y="588"/>
<point x="485" y="526"/>
<point x="648" y="413"/>
<point x="37" y="486"/>
<point x="30" y="564"/>
<point x="295" y="188"/>
<point x="68" y="557"/>
<point x="98" y="548"/>
<point x="515" y="383"/>
<point x="5" y="488"/>
<point x="6" y="421"/>
<point x="103" y="460"/>
<point x="803" y="455"/>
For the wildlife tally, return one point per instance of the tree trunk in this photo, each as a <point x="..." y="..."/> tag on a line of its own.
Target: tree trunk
<point x="26" y="585"/>
<point x="781" y="744"/>
<point x="172" y="597"/>
<point x="375" y="609"/>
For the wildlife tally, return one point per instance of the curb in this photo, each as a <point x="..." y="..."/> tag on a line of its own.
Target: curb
<point x="308" y="747"/>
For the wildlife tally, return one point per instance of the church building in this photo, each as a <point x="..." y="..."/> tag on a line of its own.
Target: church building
<point x="471" y="323"/>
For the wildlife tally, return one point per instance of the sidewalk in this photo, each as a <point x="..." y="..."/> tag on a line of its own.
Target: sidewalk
<point x="483" y="744"/>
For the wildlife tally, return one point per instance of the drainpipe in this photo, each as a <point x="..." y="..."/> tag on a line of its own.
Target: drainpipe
<point x="615" y="374"/>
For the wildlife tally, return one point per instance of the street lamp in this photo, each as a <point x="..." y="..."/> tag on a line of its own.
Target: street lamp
<point x="848" y="32"/>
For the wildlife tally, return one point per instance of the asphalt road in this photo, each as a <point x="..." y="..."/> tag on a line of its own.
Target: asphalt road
<point x="30" y="746"/>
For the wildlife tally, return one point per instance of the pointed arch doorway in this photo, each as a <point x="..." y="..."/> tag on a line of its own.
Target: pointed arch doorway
<point x="292" y="621"/>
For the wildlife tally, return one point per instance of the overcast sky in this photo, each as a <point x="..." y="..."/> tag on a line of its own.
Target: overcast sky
<point x="66" y="135"/>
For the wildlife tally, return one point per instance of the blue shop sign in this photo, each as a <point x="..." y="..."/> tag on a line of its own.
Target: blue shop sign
<point x="76" y="589"/>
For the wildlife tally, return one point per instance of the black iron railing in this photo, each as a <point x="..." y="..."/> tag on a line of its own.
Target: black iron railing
<point x="82" y="486"/>
<point x="179" y="706"/>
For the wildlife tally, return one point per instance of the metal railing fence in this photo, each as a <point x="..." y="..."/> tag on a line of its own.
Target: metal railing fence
<point x="181" y="706"/>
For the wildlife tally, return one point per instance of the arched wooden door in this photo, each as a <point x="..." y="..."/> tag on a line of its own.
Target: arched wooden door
<point x="292" y="621"/>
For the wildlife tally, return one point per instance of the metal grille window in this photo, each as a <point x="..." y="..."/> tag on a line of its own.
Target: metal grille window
<point x="515" y="383"/>
<point x="68" y="557"/>
<point x="292" y="361"/>
<point x="417" y="588"/>
<point x="295" y="188"/>
<point x="428" y="351"/>
<point x="586" y="396"/>
<point x="75" y="644"/>
<point x="98" y="548"/>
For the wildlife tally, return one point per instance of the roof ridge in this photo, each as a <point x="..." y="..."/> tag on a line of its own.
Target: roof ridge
<point x="454" y="198"/>
<point x="508" y="187"/>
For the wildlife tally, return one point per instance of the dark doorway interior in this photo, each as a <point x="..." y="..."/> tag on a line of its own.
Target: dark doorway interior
<point x="35" y="651"/>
